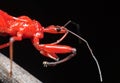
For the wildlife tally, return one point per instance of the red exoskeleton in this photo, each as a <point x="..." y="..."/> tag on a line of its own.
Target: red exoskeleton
<point x="23" y="27"/>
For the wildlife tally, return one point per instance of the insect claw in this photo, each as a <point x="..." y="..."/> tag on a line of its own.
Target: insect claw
<point x="10" y="74"/>
<point x="45" y="63"/>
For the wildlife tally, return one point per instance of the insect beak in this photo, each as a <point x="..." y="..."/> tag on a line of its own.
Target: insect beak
<point x="55" y="29"/>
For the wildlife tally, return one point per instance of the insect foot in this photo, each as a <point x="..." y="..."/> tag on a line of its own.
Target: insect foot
<point x="46" y="64"/>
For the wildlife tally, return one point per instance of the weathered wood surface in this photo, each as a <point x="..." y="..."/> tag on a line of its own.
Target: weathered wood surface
<point x="19" y="74"/>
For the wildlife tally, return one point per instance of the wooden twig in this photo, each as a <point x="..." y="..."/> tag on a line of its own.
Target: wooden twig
<point x="19" y="74"/>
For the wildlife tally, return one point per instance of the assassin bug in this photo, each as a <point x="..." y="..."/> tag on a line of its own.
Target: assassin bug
<point x="19" y="28"/>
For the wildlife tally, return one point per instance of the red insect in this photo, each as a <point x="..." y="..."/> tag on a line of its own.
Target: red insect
<point x="23" y="27"/>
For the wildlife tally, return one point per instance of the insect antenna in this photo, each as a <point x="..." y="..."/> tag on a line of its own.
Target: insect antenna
<point x="79" y="37"/>
<point x="77" y="27"/>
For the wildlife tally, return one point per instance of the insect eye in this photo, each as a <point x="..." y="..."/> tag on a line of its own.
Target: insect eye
<point x="58" y="29"/>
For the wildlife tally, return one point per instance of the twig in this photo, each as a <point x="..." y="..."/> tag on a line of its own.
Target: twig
<point x="19" y="74"/>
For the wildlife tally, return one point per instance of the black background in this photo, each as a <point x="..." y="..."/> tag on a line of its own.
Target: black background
<point x="80" y="69"/>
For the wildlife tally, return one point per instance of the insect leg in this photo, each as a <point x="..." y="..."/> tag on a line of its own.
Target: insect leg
<point x="59" y="49"/>
<point x="58" y="41"/>
<point x="4" y="45"/>
<point x="50" y="50"/>
<point x="13" y="39"/>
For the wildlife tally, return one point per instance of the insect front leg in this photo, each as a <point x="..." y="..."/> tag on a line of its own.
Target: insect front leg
<point x="57" y="49"/>
<point x="51" y="51"/>
<point x="11" y="41"/>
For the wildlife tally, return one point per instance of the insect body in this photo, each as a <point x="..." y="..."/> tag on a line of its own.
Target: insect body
<point x="19" y="28"/>
<point x="24" y="27"/>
